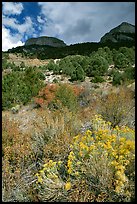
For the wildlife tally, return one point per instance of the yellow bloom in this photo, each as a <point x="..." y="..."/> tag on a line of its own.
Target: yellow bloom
<point x="118" y="189"/>
<point x="71" y="155"/>
<point x="69" y="163"/>
<point x="40" y="180"/>
<point x="109" y="123"/>
<point x="88" y="132"/>
<point x="37" y="174"/>
<point x="78" y="163"/>
<point x="45" y="165"/>
<point x="69" y="171"/>
<point x="91" y="147"/>
<point x="130" y="144"/>
<point x="68" y="186"/>
<point x="76" y="138"/>
<point x="41" y="171"/>
<point x="114" y="163"/>
<point x="113" y="138"/>
<point x="71" y="146"/>
<point x="120" y="167"/>
<point x="59" y="162"/>
<point x="76" y="173"/>
<point x="122" y="139"/>
<point x="117" y="128"/>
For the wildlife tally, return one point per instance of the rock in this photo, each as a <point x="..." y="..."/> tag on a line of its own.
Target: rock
<point x="44" y="40"/>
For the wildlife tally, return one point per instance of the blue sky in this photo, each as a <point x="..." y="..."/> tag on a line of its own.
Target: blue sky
<point x="72" y="22"/>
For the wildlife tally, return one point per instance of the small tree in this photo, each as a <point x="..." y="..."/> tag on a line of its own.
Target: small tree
<point x="97" y="66"/>
<point x="78" y="74"/>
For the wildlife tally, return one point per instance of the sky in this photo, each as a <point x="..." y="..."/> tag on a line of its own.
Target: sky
<point x="72" y="22"/>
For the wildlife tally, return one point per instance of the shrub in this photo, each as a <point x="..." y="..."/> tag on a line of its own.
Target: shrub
<point x="46" y="95"/>
<point x="129" y="73"/>
<point x="97" y="79"/>
<point x="78" y="74"/>
<point x="97" y="65"/>
<point x="129" y="53"/>
<point x="56" y="96"/>
<point x="121" y="61"/>
<point x="118" y="78"/>
<point x="21" y="90"/>
<point x="97" y="167"/>
<point x="66" y="96"/>
<point x="17" y="159"/>
<point x="41" y="76"/>
<point x="115" y="106"/>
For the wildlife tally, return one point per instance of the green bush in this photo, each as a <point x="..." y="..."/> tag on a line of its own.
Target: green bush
<point x="121" y="61"/>
<point x="129" y="53"/>
<point x="66" y="96"/>
<point x="106" y="53"/>
<point x="97" y="66"/>
<point x="129" y="73"/>
<point x="78" y="74"/>
<point x="97" y="79"/>
<point x="118" y="78"/>
<point x="18" y="87"/>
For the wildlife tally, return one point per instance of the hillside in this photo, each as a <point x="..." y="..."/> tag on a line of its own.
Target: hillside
<point x="68" y="123"/>
<point x="52" y="48"/>
<point x="121" y="33"/>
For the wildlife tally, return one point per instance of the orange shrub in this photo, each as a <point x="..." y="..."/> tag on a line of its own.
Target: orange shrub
<point x="48" y="93"/>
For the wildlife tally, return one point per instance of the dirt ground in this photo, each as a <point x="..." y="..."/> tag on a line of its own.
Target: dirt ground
<point x="27" y="61"/>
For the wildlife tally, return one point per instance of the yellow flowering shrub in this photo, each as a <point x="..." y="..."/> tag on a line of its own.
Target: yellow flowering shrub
<point x="49" y="175"/>
<point x="68" y="186"/>
<point x="100" y="161"/>
<point x="115" y="147"/>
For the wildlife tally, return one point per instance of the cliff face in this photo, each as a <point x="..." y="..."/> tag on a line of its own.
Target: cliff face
<point x="123" y="32"/>
<point x="44" y="40"/>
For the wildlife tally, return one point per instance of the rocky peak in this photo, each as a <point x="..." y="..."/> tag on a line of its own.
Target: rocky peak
<point x="125" y="31"/>
<point x="45" y="40"/>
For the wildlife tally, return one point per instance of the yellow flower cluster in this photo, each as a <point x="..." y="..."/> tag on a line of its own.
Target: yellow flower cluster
<point x="117" y="146"/>
<point x="49" y="171"/>
<point x="113" y="143"/>
<point x="98" y="122"/>
<point x="68" y="186"/>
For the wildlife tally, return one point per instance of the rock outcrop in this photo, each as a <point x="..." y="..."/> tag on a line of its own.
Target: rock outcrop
<point x="123" y="32"/>
<point x="44" y="40"/>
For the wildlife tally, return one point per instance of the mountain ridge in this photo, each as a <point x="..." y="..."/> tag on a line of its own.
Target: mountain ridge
<point x="124" y="31"/>
<point x="117" y="38"/>
<point x="45" y="40"/>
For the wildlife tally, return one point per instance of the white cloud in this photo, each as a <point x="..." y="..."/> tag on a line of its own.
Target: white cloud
<point x="40" y="20"/>
<point x="27" y="26"/>
<point x="77" y="22"/>
<point x="12" y="8"/>
<point x="73" y="22"/>
<point x="9" y="41"/>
